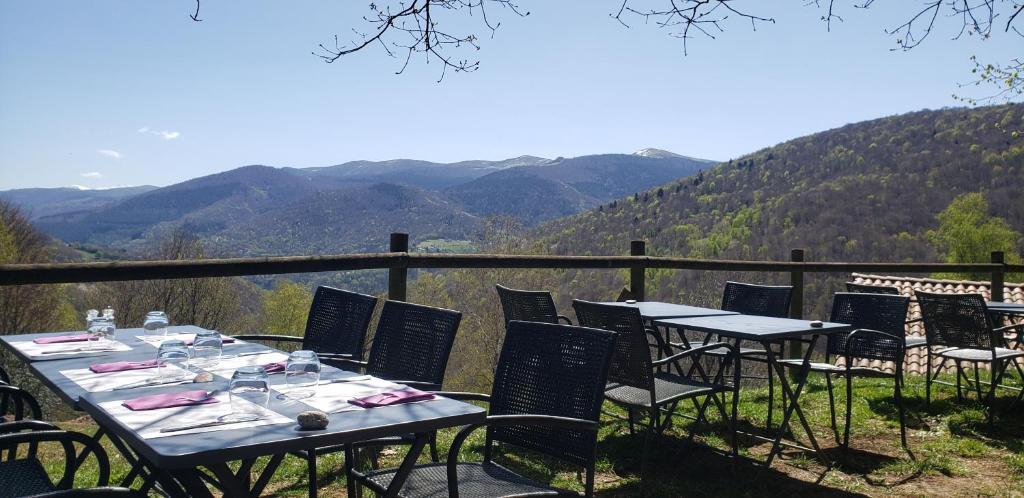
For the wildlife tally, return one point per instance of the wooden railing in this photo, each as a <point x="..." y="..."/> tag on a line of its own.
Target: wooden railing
<point x="399" y="260"/>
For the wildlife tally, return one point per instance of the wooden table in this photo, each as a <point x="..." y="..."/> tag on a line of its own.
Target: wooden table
<point x="177" y="462"/>
<point x="766" y="330"/>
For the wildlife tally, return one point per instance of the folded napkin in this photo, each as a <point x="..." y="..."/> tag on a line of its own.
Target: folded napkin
<point x="120" y="366"/>
<point x="392" y="398"/>
<point x="169" y="400"/>
<point x="62" y="338"/>
<point x="223" y="339"/>
<point x="277" y="366"/>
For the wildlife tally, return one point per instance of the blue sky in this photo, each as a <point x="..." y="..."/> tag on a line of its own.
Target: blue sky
<point x="106" y="93"/>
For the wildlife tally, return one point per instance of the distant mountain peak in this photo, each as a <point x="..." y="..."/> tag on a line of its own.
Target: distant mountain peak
<point x="658" y="153"/>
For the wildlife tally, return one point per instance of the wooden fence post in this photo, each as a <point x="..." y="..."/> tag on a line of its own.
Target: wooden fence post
<point x="796" y="305"/>
<point x="397" y="277"/>
<point x="637" y="275"/>
<point x="998" y="277"/>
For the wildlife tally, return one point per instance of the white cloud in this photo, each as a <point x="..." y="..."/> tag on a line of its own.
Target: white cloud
<point x="92" y="174"/>
<point x="109" y="153"/>
<point x="170" y="135"/>
<point x="144" y="129"/>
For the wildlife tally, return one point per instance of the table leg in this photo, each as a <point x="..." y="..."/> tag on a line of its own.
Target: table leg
<point x="794" y="396"/>
<point x="407" y="464"/>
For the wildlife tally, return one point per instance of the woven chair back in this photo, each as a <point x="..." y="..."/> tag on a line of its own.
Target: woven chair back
<point x="527" y="306"/>
<point x="881" y="312"/>
<point x="631" y="363"/>
<point x="413" y="342"/>
<point x="760" y="300"/>
<point x="557" y="370"/>
<point x="956" y="320"/>
<point x="338" y="321"/>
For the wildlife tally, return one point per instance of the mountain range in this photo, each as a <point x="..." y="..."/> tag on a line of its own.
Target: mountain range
<point x="262" y="210"/>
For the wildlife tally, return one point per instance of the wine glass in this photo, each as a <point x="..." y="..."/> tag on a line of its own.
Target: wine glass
<point x="301" y="374"/>
<point x="155" y="324"/>
<point x="207" y="348"/>
<point x="172" y="360"/>
<point x="249" y="393"/>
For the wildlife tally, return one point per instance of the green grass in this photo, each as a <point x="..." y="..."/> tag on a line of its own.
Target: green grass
<point x="954" y="452"/>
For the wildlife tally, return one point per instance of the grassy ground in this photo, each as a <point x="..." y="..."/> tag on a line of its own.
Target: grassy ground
<point x="952" y="453"/>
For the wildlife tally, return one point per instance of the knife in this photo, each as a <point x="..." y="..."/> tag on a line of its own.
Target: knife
<point x="79" y="350"/>
<point x="212" y="423"/>
<point x="147" y="383"/>
<point x="355" y="378"/>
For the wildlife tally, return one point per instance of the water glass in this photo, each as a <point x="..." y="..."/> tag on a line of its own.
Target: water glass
<point x="101" y="333"/>
<point x="249" y="392"/>
<point x="301" y="374"/>
<point x="155" y="324"/>
<point x="172" y="360"/>
<point x="207" y="348"/>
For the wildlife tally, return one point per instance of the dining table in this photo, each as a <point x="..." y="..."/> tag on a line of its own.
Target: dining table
<point x="224" y="456"/>
<point x="767" y="330"/>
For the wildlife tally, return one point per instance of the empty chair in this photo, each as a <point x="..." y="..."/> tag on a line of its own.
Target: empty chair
<point x="962" y="324"/>
<point x="411" y="346"/>
<point x="529" y="306"/>
<point x="878" y="335"/>
<point x="639" y="384"/>
<point x="336" y="326"/>
<point x="23" y="474"/>
<point x="546" y="398"/>
<point x="910" y="341"/>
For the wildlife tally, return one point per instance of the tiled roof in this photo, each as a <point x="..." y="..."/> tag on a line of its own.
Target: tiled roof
<point x="916" y="359"/>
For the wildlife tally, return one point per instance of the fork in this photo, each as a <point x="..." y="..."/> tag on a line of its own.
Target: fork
<point x="209" y="394"/>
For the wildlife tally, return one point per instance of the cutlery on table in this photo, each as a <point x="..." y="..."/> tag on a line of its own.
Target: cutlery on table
<point x="200" y="378"/>
<point x="354" y="378"/>
<point x="79" y="350"/>
<point x="212" y="423"/>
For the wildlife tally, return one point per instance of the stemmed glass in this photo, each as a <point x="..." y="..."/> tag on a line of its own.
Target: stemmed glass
<point x="301" y="374"/>
<point x="249" y="392"/>
<point x="172" y="360"/>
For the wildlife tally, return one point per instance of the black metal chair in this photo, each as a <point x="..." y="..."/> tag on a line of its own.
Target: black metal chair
<point x="529" y="306"/>
<point x="758" y="300"/>
<point x="546" y="398"/>
<point x="878" y="319"/>
<point x="18" y="404"/>
<point x="336" y="326"/>
<point x="910" y="341"/>
<point x="411" y="346"/>
<point x="635" y="382"/>
<point x="23" y="474"/>
<point x="962" y="324"/>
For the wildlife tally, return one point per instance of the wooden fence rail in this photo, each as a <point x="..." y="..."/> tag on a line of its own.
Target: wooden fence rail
<point x="399" y="260"/>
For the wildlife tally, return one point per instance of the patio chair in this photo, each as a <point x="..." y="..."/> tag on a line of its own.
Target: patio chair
<point x="910" y="341"/>
<point x="546" y="398"/>
<point x="878" y="335"/>
<point x="963" y="325"/>
<point x="336" y="326"/>
<point x="758" y="300"/>
<point x="529" y="306"/>
<point x="639" y="384"/>
<point x="411" y="346"/>
<point x="23" y="474"/>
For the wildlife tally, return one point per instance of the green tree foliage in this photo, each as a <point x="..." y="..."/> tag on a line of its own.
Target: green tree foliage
<point x="29" y="308"/>
<point x="968" y="234"/>
<point x="285" y="308"/>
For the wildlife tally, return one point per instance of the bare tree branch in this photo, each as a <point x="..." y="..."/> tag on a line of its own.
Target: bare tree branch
<point x="195" y="17"/>
<point x="682" y="16"/>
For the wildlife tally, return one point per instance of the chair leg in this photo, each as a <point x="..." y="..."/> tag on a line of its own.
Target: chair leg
<point x="588" y="489"/>
<point x="311" y="468"/>
<point x="997" y="375"/>
<point x="959" y="375"/>
<point x="928" y="381"/>
<point x="350" y="482"/>
<point x="977" y="380"/>
<point x="898" y="395"/>
<point x="771" y="397"/>
<point x="632" y="421"/>
<point x="832" y="406"/>
<point x="433" y="446"/>
<point x="849" y="409"/>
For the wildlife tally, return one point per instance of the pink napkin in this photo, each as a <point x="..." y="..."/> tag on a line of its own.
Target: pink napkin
<point x="392" y="398"/>
<point x="120" y="366"/>
<point x="62" y="338"/>
<point x="169" y="400"/>
<point x="275" y="367"/>
<point x="223" y="339"/>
